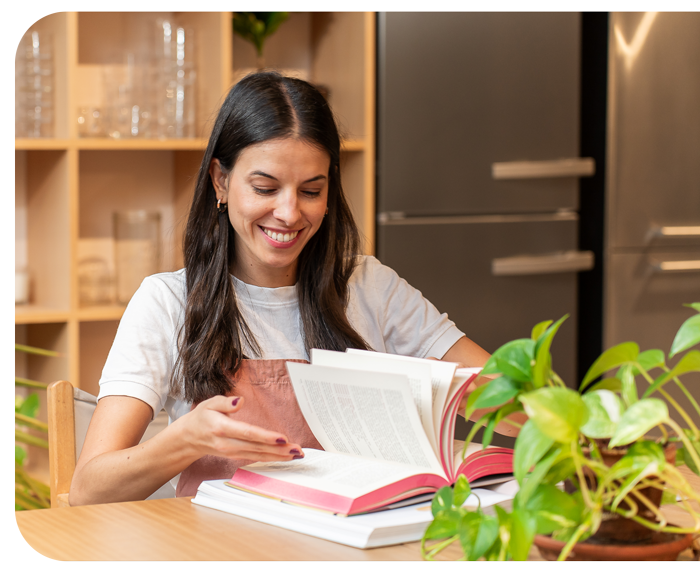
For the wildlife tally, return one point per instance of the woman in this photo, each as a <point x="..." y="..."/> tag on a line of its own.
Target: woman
<point x="272" y="269"/>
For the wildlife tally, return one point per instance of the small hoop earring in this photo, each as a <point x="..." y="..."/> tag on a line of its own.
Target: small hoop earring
<point x="326" y="213"/>
<point x="221" y="208"/>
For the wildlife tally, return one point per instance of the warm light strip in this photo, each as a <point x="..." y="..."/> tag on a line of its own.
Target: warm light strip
<point x="631" y="50"/>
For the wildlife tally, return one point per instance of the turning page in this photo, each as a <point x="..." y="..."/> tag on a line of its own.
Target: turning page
<point x="419" y="378"/>
<point x="363" y="413"/>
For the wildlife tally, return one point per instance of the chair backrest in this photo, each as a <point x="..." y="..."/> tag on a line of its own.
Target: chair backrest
<point x="69" y="413"/>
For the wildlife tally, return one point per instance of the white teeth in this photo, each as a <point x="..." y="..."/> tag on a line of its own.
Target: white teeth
<point x="282" y="238"/>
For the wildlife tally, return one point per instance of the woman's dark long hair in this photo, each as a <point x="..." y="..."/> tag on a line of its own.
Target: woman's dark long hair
<point x="261" y="107"/>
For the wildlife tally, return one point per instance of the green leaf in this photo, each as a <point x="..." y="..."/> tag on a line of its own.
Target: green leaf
<point x="477" y="533"/>
<point x="688" y="335"/>
<point x="539" y="329"/>
<point x="497" y="392"/>
<point x="20" y="454"/>
<point x="543" y="359"/>
<point x="557" y="412"/>
<point x="689" y="363"/>
<point x="604" y="412"/>
<point x="25" y="438"/>
<point x="522" y="533"/>
<point x="651" y="359"/>
<point x="530" y="446"/>
<point x="442" y="500"/>
<point x="534" y="478"/>
<point x="461" y="491"/>
<point x="629" y="387"/>
<point x="30" y="406"/>
<point x="560" y="471"/>
<point x="488" y="431"/>
<point x="638" y="419"/>
<point x="614" y="357"/>
<point x="553" y="509"/>
<point x="643" y="459"/>
<point x="514" y="359"/>
<point x="473" y="397"/>
<point x="612" y="384"/>
<point x="683" y="455"/>
<point x="444" y="524"/>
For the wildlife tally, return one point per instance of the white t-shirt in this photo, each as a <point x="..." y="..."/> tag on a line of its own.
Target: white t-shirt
<point x="388" y="313"/>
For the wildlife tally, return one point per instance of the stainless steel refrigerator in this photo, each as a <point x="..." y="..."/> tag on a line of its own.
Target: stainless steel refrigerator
<point x="478" y="168"/>
<point x="653" y="179"/>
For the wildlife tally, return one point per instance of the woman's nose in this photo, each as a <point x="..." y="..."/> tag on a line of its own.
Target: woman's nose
<point x="287" y="208"/>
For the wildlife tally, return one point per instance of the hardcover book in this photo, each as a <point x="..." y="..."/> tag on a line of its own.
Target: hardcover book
<point x="386" y="424"/>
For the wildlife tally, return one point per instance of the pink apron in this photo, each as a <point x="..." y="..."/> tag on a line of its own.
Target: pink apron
<point x="268" y="402"/>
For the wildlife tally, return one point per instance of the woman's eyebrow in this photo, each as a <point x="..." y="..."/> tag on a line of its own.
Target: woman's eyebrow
<point x="263" y="174"/>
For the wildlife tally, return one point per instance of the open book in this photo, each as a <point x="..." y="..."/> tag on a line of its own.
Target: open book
<point x="386" y="424"/>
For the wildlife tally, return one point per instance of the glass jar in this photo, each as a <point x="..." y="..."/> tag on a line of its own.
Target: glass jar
<point x="136" y="250"/>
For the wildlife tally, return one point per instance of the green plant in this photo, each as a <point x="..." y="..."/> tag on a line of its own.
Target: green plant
<point x="256" y="27"/>
<point x="564" y="439"/>
<point x="30" y="493"/>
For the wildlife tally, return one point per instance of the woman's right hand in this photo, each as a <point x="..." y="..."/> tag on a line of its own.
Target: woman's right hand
<point x="210" y="428"/>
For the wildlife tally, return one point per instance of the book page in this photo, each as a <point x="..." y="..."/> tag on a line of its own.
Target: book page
<point x="330" y="472"/>
<point x="441" y="380"/>
<point x="419" y="378"/>
<point x="363" y="413"/>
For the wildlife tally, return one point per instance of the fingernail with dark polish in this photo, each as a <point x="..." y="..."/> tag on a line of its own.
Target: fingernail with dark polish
<point x="294" y="451"/>
<point x="298" y="457"/>
<point x="281" y="441"/>
<point x="235" y="401"/>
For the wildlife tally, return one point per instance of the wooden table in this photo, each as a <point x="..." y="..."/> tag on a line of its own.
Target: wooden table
<point x="177" y="529"/>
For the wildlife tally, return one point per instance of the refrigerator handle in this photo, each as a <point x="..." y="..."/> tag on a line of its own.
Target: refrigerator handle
<point x="562" y="262"/>
<point x="675" y="266"/>
<point x="574" y="167"/>
<point x="678" y="231"/>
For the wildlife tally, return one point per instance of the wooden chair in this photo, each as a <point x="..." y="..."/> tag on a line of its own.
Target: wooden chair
<point x="69" y="413"/>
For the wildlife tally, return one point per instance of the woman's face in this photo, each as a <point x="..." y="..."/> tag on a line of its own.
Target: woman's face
<point x="277" y="194"/>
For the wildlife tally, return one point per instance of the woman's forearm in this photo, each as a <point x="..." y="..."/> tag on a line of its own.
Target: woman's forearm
<point x="130" y="473"/>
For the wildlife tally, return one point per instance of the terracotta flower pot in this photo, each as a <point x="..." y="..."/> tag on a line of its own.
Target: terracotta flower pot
<point x="615" y="527"/>
<point x="661" y="547"/>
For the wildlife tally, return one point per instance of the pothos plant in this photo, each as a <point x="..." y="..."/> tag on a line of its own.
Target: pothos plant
<point x="563" y="440"/>
<point x="30" y="493"/>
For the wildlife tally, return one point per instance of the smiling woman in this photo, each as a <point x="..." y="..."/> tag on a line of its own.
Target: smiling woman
<point x="276" y="195"/>
<point x="272" y="269"/>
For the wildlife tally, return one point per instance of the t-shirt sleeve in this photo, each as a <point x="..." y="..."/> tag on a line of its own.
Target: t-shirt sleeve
<point x="140" y="361"/>
<point x="408" y="323"/>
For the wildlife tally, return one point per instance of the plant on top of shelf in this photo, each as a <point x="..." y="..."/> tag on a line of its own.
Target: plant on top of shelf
<point x="594" y="440"/>
<point x="256" y="27"/>
<point x="30" y="493"/>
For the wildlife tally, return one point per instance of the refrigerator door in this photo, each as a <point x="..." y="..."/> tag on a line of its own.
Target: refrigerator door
<point x="454" y="263"/>
<point x="478" y="113"/>
<point x="654" y="135"/>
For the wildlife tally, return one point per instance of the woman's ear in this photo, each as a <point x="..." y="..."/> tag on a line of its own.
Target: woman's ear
<point x="219" y="179"/>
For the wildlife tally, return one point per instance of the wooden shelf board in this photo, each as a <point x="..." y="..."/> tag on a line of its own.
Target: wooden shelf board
<point x="41" y="144"/>
<point x="96" y="313"/>
<point x="31" y="314"/>
<point x="111" y="144"/>
<point x="141" y="144"/>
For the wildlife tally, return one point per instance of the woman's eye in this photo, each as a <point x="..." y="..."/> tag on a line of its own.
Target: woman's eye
<point x="311" y="192"/>
<point x="263" y="190"/>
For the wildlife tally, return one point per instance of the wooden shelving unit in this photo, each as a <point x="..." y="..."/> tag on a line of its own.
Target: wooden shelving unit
<point x="67" y="187"/>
